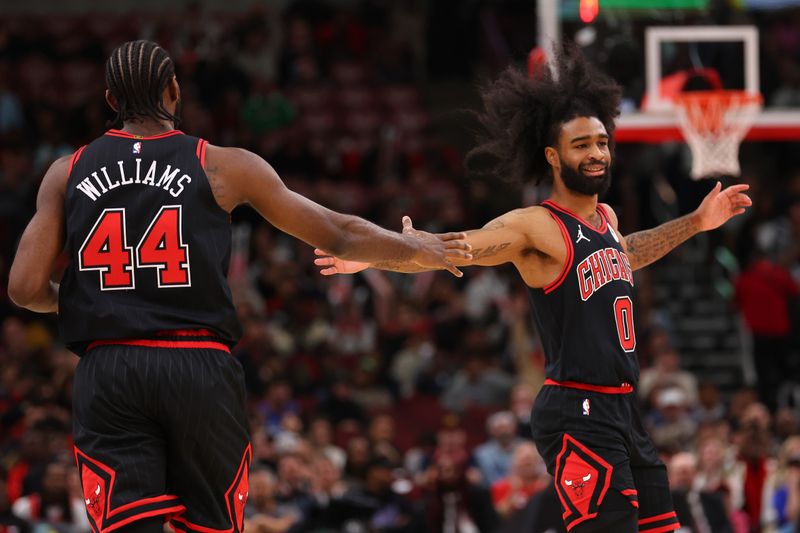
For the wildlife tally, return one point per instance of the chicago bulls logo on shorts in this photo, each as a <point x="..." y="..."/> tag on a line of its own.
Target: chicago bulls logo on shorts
<point x="582" y="480"/>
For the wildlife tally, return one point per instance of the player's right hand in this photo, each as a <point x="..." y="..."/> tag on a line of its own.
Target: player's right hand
<point x="438" y="250"/>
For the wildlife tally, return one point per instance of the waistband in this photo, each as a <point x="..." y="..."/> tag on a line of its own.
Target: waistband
<point x="200" y="338"/>
<point x="625" y="388"/>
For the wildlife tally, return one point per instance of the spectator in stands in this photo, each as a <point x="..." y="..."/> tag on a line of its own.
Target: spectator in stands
<point x="381" y="436"/>
<point x="358" y="458"/>
<point x="670" y="423"/>
<point x="493" y="458"/>
<point x="455" y="500"/>
<point x="522" y="398"/>
<point x="751" y="478"/>
<point x="700" y="512"/>
<point x="479" y="383"/>
<point x="263" y="513"/>
<point x="713" y="466"/>
<point x="9" y="521"/>
<point x="376" y="507"/>
<point x="294" y="485"/>
<point x="528" y="477"/>
<point x="339" y="406"/>
<point x="786" y="495"/>
<point x="763" y="292"/>
<point x="665" y="372"/>
<point x="54" y="505"/>
<point x="709" y="408"/>
<point x="320" y="437"/>
<point x="277" y="403"/>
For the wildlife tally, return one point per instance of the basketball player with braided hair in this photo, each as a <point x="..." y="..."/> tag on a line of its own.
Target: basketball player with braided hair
<point x="143" y="212"/>
<point x="578" y="269"/>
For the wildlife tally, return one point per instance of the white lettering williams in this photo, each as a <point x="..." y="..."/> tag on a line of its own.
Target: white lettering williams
<point x="94" y="186"/>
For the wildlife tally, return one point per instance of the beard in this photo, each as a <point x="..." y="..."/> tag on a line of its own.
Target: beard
<point x="578" y="182"/>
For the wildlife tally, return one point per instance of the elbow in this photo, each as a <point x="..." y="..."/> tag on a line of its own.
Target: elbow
<point x="19" y="295"/>
<point x="21" y="291"/>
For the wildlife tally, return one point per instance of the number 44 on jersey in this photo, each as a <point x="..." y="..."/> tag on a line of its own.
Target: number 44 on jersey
<point x="161" y="247"/>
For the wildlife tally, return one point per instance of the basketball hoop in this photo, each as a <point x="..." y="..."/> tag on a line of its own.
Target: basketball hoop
<point x="714" y="123"/>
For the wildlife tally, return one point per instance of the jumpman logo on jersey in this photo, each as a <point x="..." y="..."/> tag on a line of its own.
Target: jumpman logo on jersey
<point x="581" y="235"/>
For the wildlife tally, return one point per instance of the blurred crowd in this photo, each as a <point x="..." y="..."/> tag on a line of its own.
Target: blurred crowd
<point x="381" y="402"/>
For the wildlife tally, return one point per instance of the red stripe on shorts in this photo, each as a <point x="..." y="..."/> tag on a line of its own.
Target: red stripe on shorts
<point x="149" y="343"/>
<point x="625" y="388"/>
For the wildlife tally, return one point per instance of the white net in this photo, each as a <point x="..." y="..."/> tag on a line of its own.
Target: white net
<point x="714" y="124"/>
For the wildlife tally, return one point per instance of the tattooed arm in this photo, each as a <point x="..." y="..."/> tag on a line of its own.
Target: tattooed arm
<point x="500" y="241"/>
<point x="719" y="206"/>
<point x="648" y="246"/>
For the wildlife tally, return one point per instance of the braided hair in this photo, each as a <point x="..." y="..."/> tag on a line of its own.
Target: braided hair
<point x="137" y="74"/>
<point x="524" y="115"/>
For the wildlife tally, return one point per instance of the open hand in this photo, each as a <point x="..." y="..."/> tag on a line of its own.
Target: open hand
<point x="438" y="250"/>
<point x="720" y="205"/>
<point x="333" y="265"/>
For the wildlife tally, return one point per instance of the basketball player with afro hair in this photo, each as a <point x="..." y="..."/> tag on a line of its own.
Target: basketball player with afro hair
<point x="578" y="269"/>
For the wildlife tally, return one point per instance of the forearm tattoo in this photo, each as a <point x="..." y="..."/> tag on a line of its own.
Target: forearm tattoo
<point x="399" y="266"/>
<point x="645" y="247"/>
<point x="489" y="251"/>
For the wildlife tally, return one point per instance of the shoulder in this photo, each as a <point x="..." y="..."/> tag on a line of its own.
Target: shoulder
<point x="62" y="164"/>
<point x="612" y="216"/>
<point x="233" y="173"/>
<point x="231" y="158"/>
<point x="55" y="179"/>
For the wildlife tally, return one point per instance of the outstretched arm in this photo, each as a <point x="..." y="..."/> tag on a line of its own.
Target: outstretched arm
<point x="500" y="241"/>
<point x="719" y="206"/>
<point x="29" y="282"/>
<point x="238" y="177"/>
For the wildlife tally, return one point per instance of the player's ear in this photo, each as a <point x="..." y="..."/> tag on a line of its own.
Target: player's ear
<point x="111" y="100"/>
<point x="174" y="89"/>
<point x="551" y="154"/>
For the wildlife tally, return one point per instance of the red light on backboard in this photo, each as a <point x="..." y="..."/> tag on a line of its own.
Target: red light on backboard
<point x="589" y="10"/>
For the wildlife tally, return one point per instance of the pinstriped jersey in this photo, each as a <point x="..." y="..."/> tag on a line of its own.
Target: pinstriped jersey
<point x="147" y="244"/>
<point x="585" y="316"/>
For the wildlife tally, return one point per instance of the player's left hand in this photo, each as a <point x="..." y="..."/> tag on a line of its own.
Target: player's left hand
<point x="333" y="265"/>
<point x="720" y="205"/>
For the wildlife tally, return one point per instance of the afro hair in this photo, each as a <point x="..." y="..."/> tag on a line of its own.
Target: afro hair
<point x="524" y="115"/>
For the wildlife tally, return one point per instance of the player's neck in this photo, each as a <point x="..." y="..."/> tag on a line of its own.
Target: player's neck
<point x="580" y="204"/>
<point x="147" y="128"/>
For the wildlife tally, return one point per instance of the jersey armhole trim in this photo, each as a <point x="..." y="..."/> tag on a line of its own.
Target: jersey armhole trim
<point x="201" y="152"/>
<point x="75" y="157"/>
<point x="567" y="262"/>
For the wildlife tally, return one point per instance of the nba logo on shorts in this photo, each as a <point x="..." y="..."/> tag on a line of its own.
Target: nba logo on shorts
<point x="586" y="407"/>
<point x="137" y="147"/>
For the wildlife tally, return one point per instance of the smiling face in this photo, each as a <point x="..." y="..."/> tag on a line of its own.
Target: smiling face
<point x="582" y="158"/>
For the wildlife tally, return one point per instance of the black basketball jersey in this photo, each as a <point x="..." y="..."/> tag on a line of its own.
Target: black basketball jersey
<point x="585" y="316"/>
<point x="147" y="244"/>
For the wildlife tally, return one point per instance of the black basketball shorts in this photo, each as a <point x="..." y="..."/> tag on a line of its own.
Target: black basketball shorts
<point x="605" y="467"/>
<point x="162" y="431"/>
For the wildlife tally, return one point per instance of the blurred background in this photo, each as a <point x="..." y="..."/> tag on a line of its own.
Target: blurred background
<point x="381" y="402"/>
